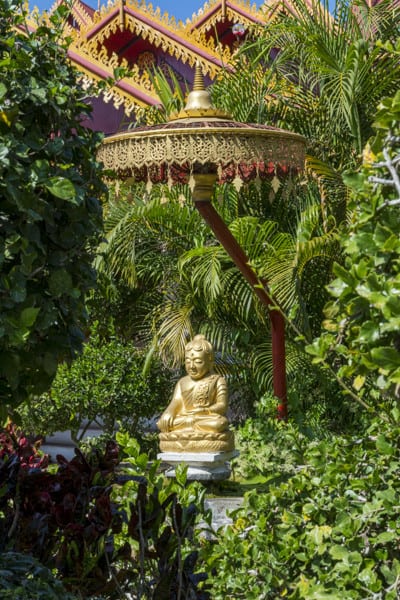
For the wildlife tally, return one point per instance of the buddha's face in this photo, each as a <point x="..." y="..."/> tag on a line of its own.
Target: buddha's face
<point x="197" y="364"/>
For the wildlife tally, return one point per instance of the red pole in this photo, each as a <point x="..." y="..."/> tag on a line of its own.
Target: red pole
<point x="229" y="243"/>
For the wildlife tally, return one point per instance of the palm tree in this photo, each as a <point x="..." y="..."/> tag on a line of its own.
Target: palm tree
<point x="187" y="282"/>
<point x="319" y="73"/>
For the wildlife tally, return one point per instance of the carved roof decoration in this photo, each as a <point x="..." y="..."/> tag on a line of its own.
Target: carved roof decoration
<point x="106" y="41"/>
<point x="218" y="19"/>
<point x="272" y="8"/>
<point x="131" y="34"/>
<point x="218" y="11"/>
<point x="82" y="13"/>
<point x="132" y="92"/>
<point x="159" y="32"/>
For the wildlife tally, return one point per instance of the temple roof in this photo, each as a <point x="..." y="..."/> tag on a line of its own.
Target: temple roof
<point x="217" y="17"/>
<point x="129" y="35"/>
<point x="134" y="36"/>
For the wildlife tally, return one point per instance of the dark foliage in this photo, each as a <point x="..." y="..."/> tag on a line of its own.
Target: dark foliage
<point x="75" y="519"/>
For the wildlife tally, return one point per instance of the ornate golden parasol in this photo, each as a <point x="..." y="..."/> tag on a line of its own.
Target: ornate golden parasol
<point x="199" y="146"/>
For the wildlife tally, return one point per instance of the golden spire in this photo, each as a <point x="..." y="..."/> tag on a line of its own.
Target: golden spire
<point x="198" y="103"/>
<point x="199" y="97"/>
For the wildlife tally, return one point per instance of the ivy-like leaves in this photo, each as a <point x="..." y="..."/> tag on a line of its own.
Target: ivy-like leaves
<point x="362" y="321"/>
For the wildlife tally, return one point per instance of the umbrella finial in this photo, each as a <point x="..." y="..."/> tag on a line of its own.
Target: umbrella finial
<point x="198" y="103"/>
<point x="198" y="82"/>
<point x="199" y="98"/>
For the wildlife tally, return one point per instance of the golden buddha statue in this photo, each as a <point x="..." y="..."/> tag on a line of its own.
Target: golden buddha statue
<point x="195" y="420"/>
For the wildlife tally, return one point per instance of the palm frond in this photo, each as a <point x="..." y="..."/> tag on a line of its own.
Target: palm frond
<point x="239" y="298"/>
<point x="204" y="264"/>
<point x="170" y="92"/>
<point x="335" y="69"/>
<point x="173" y="332"/>
<point x="261" y="363"/>
<point x="253" y="235"/>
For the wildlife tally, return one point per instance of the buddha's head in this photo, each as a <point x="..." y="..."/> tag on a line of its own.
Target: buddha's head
<point x="199" y="357"/>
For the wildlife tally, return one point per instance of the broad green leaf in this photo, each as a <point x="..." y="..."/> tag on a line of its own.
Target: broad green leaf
<point x="386" y="358"/>
<point x="28" y="316"/>
<point x="356" y="181"/>
<point x="60" y="282"/>
<point x="383" y="446"/>
<point x="369" y="332"/>
<point x="386" y="537"/>
<point x="338" y="552"/>
<point x="62" y="188"/>
<point x="345" y="276"/>
<point x="359" y="382"/>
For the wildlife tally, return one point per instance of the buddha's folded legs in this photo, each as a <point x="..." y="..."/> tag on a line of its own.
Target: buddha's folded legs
<point x="210" y="423"/>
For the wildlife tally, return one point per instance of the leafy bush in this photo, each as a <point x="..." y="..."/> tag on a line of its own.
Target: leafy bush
<point x="105" y="384"/>
<point x="50" y="213"/>
<point x="269" y="448"/>
<point x="328" y="527"/>
<point x="329" y="530"/>
<point x="162" y="518"/>
<point x="62" y="518"/>
<point x="24" y="578"/>
<point x="361" y="337"/>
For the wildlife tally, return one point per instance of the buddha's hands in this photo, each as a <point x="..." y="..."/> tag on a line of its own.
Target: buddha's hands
<point x="165" y="422"/>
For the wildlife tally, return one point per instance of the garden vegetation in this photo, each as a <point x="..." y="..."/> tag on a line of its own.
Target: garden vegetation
<point x="320" y="517"/>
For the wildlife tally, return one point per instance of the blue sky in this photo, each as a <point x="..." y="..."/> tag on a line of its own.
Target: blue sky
<point x="180" y="9"/>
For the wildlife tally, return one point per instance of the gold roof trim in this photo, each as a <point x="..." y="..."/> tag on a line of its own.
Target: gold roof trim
<point x="218" y="18"/>
<point x="146" y="10"/>
<point x="251" y="9"/>
<point x="114" y="96"/>
<point x="189" y="48"/>
<point x="117" y="95"/>
<point x="78" y="12"/>
<point x="271" y="9"/>
<point x="78" y="16"/>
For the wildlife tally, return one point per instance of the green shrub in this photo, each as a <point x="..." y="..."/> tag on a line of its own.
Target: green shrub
<point x="268" y="447"/>
<point x="50" y="187"/>
<point x="106" y="529"/>
<point x="23" y="578"/>
<point x="361" y="338"/>
<point x="104" y="385"/>
<point x="328" y="531"/>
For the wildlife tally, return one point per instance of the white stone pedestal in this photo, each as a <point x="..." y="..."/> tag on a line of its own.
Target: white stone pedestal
<point x="202" y="466"/>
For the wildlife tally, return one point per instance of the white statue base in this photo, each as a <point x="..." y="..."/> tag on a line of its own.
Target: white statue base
<point x="202" y="466"/>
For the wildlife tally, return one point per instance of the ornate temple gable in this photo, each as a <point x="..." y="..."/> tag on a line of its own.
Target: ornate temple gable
<point x="133" y="36"/>
<point x="217" y="17"/>
<point x="82" y="13"/>
<point x="128" y="29"/>
<point x="130" y="92"/>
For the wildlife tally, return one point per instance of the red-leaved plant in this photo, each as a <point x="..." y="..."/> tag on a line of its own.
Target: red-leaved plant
<point x="67" y="517"/>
